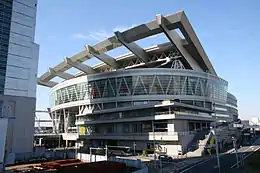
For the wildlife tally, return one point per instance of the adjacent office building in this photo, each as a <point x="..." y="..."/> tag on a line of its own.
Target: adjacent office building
<point x="18" y="72"/>
<point x="165" y="93"/>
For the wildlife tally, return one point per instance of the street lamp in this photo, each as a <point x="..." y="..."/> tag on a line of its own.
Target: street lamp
<point x="216" y="140"/>
<point x="134" y="145"/>
<point x="235" y="147"/>
<point x="154" y="152"/>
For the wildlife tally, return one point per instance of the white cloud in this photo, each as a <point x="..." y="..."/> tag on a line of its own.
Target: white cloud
<point x="101" y="34"/>
<point x="123" y="28"/>
<point x="80" y="36"/>
<point x="95" y="35"/>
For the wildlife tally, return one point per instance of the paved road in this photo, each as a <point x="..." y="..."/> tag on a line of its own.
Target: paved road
<point x="226" y="161"/>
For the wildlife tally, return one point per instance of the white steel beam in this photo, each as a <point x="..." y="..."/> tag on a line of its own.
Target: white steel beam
<point x="133" y="47"/>
<point x="102" y="57"/>
<point x="47" y="84"/>
<point x="62" y="75"/>
<point x="161" y="21"/>
<point x="82" y="67"/>
<point x="176" y="41"/>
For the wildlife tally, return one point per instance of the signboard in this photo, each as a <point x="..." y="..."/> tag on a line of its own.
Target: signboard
<point x="82" y="130"/>
<point x="3" y="132"/>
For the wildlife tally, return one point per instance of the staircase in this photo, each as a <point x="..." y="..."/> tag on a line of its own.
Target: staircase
<point x="198" y="152"/>
<point x="194" y="143"/>
<point x="224" y="137"/>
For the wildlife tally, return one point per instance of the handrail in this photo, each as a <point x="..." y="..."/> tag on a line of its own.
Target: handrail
<point x="117" y="117"/>
<point x="143" y="134"/>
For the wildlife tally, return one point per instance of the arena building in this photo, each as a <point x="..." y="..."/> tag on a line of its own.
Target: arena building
<point x="165" y="93"/>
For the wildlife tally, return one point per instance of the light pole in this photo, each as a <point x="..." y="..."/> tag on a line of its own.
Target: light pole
<point x="235" y="147"/>
<point x="134" y="144"/>
<point x="161" y="168"/>
<point x="154" y="153"/>
<point x="216" y="139"/>
<point x="106" y="152"/>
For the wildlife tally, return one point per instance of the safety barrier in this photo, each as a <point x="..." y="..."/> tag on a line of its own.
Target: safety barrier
<point x="132" y="163"/>
<point x="91" y="158"/>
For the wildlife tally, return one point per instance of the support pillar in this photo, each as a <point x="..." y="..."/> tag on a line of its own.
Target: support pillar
<point x="67" y="143"/>
<point x="55" y="121"/>
<point x="64" y="121"/>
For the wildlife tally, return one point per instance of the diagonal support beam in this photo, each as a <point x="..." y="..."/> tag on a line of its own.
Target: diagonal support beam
<point x="102" y="57"/>
<point x="133" y="47"/>
<point x="82" y="67"/>
<point x="62" y="75"/>
<point x="49" y="84"/>
<point x="172" y="36"/>
<point x="175" y="39"/>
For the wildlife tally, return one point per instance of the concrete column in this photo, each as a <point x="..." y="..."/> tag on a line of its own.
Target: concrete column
<point x="195" y="128"/>
<point x="179" y="125"/>
<point x="170" y="125"/>
<point x="55" y="121"/>
<point x="40" y="141"/>
<point x="201" y="126"/>
<point x="67" y="143"/>
<point x="64" y="121"/>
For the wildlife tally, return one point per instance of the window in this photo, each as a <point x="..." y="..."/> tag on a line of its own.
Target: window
<point x="5" y="24"/>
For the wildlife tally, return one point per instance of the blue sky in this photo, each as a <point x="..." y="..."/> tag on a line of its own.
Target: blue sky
<point x="228" y="30"/>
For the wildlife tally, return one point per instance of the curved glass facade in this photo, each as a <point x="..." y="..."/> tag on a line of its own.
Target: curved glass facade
<point x="231" y="99"/>
<point x="146" y="85"/>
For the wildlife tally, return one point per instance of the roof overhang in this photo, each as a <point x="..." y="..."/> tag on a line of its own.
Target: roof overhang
<point x="127" y="39"/>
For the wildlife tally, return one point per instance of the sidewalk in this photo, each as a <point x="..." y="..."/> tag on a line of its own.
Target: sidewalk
<point x="178" y="166"/>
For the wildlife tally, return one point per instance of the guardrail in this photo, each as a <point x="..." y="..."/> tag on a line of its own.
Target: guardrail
<point x="143" y="134"/>
<point x="126" y="116"/>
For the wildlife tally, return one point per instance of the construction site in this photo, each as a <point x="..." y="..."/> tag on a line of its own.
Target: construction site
<point x="74" y="165"/>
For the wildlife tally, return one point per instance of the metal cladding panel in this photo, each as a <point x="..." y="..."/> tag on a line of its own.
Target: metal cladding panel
<point x="23" y="53"/>
<point x="3" y="131"/>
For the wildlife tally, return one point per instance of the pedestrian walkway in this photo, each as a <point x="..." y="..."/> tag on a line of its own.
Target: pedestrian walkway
<point x="177" y="166"/>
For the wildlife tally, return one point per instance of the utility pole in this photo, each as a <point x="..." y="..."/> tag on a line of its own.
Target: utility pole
<point x="216" y="139"/>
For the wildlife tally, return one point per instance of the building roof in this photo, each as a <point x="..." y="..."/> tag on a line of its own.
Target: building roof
<point x="188" y="46"/>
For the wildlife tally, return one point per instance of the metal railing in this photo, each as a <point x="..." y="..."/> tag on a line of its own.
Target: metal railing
<point x="125" y="116"/>
<point x="143" y="134"/>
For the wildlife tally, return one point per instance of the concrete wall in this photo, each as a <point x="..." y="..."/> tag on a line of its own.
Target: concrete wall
<point x="186" y="139"/>
<point x="170" y="126"/>
<point x="178" y="125"/>
<point x="3" y="130"/>
<point x="93" y="158"/>
<point x="173" y="150"/>
<point x="140" y="145"/>
<point x="20" y="112"/>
